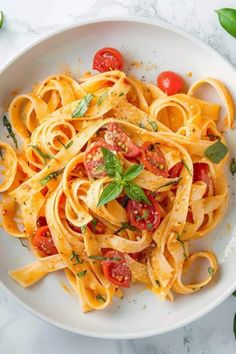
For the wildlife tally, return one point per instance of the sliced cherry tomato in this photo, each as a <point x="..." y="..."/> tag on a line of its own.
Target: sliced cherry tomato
<point x="190" y="217"/>
<point x="120" y="141"/>
<point x="144" y="216"/>
<point x="94" y="161"/>
<point x="41" y="221"/>
<point x="117" y="272"/>
<point x="170" y="82"/>
<point x="108" y="59"/>
<point x="44" y="242"/>
<point x="153" y="159"/>
<point x="138" y="256"/>
<point x="175" y="170"/>
<point x="201" y="172"/>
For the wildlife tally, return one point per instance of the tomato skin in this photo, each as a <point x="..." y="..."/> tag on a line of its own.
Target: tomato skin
<point x="190" y="217"/>
<point x="44" y="242"/>
<point x="201" y="172"/>
<point x="108" y="59"/>
<point x="170" y="82"/>
<point x="120" y="141"/>
<point x="117" y="272"/>
<point x="176" y="170"/>
<point x="137" y="210"/>
<point x="153" y="159"/>
<point x="94" y="161"/>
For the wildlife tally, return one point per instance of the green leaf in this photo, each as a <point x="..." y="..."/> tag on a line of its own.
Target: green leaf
<point x="101" y="98"/>
<point x="68" y="145"/>
<point x="112" y="163"/>
<point x="234" y="326"/>
<point x="216" y="152"/>
<point x="126" y="226"/>
<point x="109" y="193"/>
<point x="153" y="125"/>
<point x="233" y="166"/>
<point x="178" y="238"/>
<point x="94" y="224"/>
<point x="100" y="298"/>
<point x="103" y="258"/>
<point x="227" y="18"/>
<point x="234" y="293"/>
<point x="211" y="271"/>
<point x="7" y="124"/>
<point x="42" y="154"/>
<point x="132" y="172"/>
<point x="82" y="106"/>
<point x="51" y="175"/>
<point x="187" y="168"/>
<point x="170" y="183"/>
<point x="1" y="19"/>
<point x="83" y="228"/>
<point x="76" y="257"/>
<point x="81" y="274"/>
<point x="121" y="94"/>
<point x="136" y="193"/>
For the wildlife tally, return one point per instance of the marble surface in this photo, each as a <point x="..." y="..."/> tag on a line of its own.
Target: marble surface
<point x="26" y="21"/>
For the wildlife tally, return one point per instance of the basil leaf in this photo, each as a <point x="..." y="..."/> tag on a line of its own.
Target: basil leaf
<point x="42" y="154"/>
<point x="7" y="124"/>
<point x="81" y="274"/>
<point x="216" y="152"/>
<point x="100" y="298"/>
<point x="233" y="166"/>
<point x="68" y="145"/>
<point x="132" y="172"/>
<point x="51" y="175"/>
<point x="103" y="258"/>
<point x="227" y="18"/>
<point x="109" y="193"/>
<point x="235" y="326"/>
<point x="153" y="125"/>
<point x="126" y="226"/>
<point x="135" y="192"/>
<point x="101" y="98"/>
<point x="83" y="106"/>
<point x="211" y="271"/>
<point x="112" y="163"/>
<point x="1" y="19"/>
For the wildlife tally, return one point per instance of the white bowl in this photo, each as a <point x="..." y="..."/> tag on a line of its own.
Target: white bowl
<point x="140" y="313"/>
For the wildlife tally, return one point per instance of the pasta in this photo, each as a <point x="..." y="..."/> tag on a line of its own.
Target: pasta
<point x="113" y="181"/>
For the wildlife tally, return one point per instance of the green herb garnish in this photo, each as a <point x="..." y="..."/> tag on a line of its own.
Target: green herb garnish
<point x="233" y="166"/>
<point x="121" y="180"/>
<point x="234" y="293"/>
<point x="76" y="257"/>
<point x="1" y="19"/>
<point x="121" y="94"/>
<point x="82" y="106"/>
<point x="187" y="168"/>
<point x="94" y="224"/>
<point x="51" y="175"/>
<point x="42" y="154"/>
<point x="81" y="274"/>
<point x="149" y="226"/>
<point x="7" y="124"/>
<point x="211" y="271"/>
<point x="178" y="238"/>
<point x="170" y="183"/>
<point x="100" y="298"/>
<point x="103" y="258"/>
<point x="101" y="98"/>
<point x="153" y="125"/>
<point x="227" y="18"/>
<point x="141" y="125"/>
<point x="83" y="228"/>
<point x="216" y="152"/>
<point x="126" y="226"/>
<point x="68" y="145"/>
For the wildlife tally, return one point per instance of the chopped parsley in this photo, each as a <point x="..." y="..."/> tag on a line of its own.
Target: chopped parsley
<point x="211" y="271"/>
<point x="100" y="298"/>
<point x="81" y="274"/>
<point x="51" y="175"/>
<point x="76" y="257"/>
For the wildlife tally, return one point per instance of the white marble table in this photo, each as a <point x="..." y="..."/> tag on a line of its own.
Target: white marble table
<point x="27" y="20"/>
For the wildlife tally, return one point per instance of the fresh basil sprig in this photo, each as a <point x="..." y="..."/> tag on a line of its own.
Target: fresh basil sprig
<point x="216" y="152"/>
<point x="121" y="180"/>
<point x="83" y="106"/>
<point x="227" y="18"/>
<point x="7" y="124"/>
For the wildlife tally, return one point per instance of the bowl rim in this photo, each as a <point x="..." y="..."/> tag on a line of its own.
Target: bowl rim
<point x="136" y="334"/>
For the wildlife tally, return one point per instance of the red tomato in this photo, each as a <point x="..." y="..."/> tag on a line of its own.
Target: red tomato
<point x="108" y="59"/>
<point x="120" y="141"/>
<point x="117" y="272"/>
<point x="138" y="256"/>
<point x="170" y="82"/>
<point x="41" y="221"/>
<point x="94" y="161"/>
<point x="201" y="172"/>
<point x="190" y="217"/>
<point x="144" y="216"/>
<point x="153" y="159"/>
<point x="44" y="242"/>
<point x="175" y="170"/>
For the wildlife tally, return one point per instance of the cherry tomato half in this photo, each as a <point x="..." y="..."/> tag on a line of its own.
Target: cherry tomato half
<point x="94" y="161"/>
<point x="44" y="242"/>
<point x="108" y="59"/>
<point x="153" y="159"/>
<point x="170" y="82"/>
<point x="120" y="141"/>
<point x="144" y="216"/>
<point x="175" y="170"/>
<point x="201" y="172"/>
<point x="117" y="272"/>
